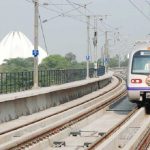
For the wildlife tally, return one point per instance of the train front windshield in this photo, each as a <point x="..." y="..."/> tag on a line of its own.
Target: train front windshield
<point x="141" y="62"/>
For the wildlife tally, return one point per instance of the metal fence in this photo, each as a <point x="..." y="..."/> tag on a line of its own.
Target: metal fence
<point x="20" y="81"/>
<point x="17" y="81"/>
<point x="52" y="77"/>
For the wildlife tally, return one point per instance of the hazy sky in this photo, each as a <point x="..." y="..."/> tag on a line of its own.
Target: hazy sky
<point x="68" y="34"/>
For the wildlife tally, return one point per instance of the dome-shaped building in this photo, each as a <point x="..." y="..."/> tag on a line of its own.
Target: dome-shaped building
<point x="16" y="44"/>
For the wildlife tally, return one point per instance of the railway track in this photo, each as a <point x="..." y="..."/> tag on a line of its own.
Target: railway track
<point x="130" y="136"/>
<point x="82" y="134"/>
<point x="145" y="142"/>
<point x="112" y="131"/>
<point x="25" y="137"/>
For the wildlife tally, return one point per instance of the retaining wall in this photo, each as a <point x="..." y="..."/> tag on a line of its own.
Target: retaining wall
<point x="14" y="105"/>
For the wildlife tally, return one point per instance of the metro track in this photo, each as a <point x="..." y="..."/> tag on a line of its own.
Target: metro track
<point x="32" y="138"/>
<point x="145" y="142"/>
<point x="112" y="131"/>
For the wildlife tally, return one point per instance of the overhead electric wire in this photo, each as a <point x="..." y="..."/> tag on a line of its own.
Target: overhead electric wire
<point x="137" y="8"/>
<point x="64" y="13"/>
<point x="68" y="12"/>
<point x="55" y="6"/>
<point x="41" y="30"/>
<point x="61" y="14"/>
<point x="73" y="5"/>
<point x="41" y="5"/>
<point x="28" y="1"/>
<point x="109" y="26"/>
<point x="147" y="2"/>
<point x="43" y="34"/>
<point x="89" y="11"/>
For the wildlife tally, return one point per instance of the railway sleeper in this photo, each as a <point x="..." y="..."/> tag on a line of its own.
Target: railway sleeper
<point x="59" y="143"/>
<point x="87" y="144"/>
<point x="75" y="133"/>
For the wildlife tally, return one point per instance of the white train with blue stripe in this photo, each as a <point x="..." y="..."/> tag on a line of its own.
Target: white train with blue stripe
<point x="138" y="79"/>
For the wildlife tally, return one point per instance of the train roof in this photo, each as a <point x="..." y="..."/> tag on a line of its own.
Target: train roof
<point x="140" y="45"/>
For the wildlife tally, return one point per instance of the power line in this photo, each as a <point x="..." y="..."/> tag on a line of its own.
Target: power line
<point x="60" y="13"/>
<point x="28" y="1"/>
<point x="147" y="2"/>
<point x="55" y="6"/>
<point x="43" y="34"/>
<point x="147" y="17"/>
<point x="64" y="14"/>
<point x="110" y="26"/>
<point x="41" y="5"/>
<point x="73" y="5"/>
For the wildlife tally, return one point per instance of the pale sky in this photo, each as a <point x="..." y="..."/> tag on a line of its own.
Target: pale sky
<point x="66" y="34"/>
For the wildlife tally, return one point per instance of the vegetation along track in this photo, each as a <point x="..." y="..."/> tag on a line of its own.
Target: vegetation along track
<point x="31" y="138"/>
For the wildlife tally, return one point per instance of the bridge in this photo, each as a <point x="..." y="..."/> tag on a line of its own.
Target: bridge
<point x="79" y="113"/>
<point x="68" y="108"/>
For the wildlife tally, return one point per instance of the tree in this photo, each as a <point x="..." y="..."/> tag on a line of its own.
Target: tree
<point x="113" y="62"/>
<point x="54" y="61"/>
<point x="99" y="62"/>
<point x="18" y="74"/>
<point x="17" y="65"/>
<point x="124" y="62"/>
<point x="70" y="57"/>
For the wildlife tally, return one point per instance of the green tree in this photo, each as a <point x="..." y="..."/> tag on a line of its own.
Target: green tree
<point x="54" y="61"/>
<point x="78" y="65"/>
<point x="15" y="79"/>
<point x="113" y="62"/>
<point x="70" y="57"/>
<point x="17" y="65"/>
<point x="124" y="62"/>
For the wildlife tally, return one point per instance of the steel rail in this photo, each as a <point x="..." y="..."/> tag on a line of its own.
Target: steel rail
<point x="58" y="112"/>
<point x="111" y="131"/>
<point x="67" y="124"/>
<point x="145" y="142"/>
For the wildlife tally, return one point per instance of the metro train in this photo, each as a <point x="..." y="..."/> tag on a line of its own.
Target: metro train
<point x="138" y="77"/>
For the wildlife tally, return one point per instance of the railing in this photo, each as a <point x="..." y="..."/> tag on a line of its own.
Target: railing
<point x="17" y="81"/>
<point x="52" y="77"/>
<point x="20" y="81"/>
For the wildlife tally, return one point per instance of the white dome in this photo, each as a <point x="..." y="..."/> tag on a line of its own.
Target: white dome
<point x="16" y="44"/>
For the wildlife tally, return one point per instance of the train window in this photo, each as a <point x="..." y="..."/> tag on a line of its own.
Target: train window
<point x="141" y="62"/>
<point x="145" y="53"/>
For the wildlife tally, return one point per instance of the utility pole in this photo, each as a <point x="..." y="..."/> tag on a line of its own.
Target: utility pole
<point x="118" y="61"/>
<point x="106" y="52"/>
<point x="95" y="41"/>
<point x="88" y="47"/>
<point x="95" y="46"/>
<point x="36" y="42"/>
<point x="88" y="57"/>
<point x="102" y="56"/>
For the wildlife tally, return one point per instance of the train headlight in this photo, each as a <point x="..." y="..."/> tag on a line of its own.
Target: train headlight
<point x="136" y="81"/>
